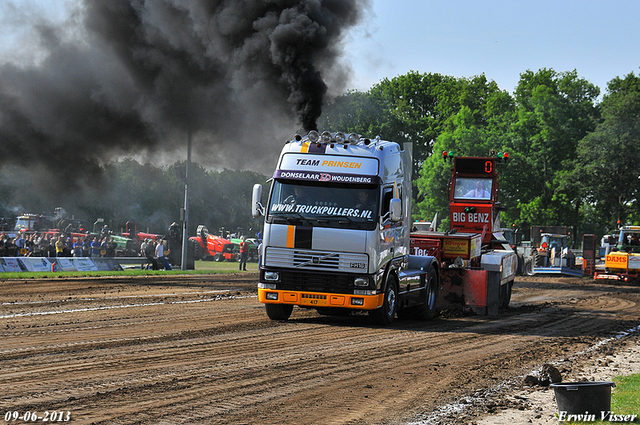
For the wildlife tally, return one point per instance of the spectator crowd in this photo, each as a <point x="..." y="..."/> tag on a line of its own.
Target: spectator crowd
<point x="56" y="245"/>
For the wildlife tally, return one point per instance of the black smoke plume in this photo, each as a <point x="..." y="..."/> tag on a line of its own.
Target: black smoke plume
<point x="139" y="73"/>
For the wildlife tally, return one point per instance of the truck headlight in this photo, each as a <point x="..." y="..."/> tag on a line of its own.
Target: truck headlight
<point x="273" y="296"/>
<point x="267" y="285"/>
<point x="361" y="281"/>
<point x="272" y="276"/>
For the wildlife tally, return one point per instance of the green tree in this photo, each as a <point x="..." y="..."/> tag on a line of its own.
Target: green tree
<point x="419" y="106"/>
<point x="607" y="164"/>
<point x="409" y="108"/>
<point x="355" y="112"/>
<point x="554" y="112"/>
<point x="480" y="125"/>
<point x="152" y="197"/>
<point x="140" y="193"/>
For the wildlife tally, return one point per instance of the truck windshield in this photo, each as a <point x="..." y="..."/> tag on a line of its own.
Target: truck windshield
<point x="629" y="241"/>
<point x="26" y="223"/>
<point x="353" y="206"/>
<point x="473" y="188"/>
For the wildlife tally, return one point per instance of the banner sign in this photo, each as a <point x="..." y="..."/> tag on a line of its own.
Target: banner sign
<point x="328" y="169"/>
<point x="36" y="264"/>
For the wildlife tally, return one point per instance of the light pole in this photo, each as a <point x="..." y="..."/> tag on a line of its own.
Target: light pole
<point x="185" y="219"/>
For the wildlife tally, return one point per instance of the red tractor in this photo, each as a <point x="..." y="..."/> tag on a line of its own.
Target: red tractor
<point x="214" y="247"/>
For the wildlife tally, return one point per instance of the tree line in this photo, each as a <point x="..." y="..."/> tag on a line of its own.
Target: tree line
<point x="150" y="196"/>
<point x="574" y="160"/>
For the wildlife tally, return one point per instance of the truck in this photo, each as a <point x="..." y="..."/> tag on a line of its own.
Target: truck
<point x="511" y="235"/>
<point x="131" y="231"/>
<point x="622" y="262"/>
<point x="424" y="225"/>
<point x="337" y="237"/>
<point x="57" y="222"/>
<point x="212" y="247"/>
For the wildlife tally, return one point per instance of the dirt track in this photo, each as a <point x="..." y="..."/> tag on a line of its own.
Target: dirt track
<point x="201" y="350"/>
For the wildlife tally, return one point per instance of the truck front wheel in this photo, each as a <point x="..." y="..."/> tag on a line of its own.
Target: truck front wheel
<point x="385" y="314"/>
<point x="279" y="311"/>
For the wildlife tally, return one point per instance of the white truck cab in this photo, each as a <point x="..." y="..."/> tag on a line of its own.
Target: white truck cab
<point x="336" y="230"/>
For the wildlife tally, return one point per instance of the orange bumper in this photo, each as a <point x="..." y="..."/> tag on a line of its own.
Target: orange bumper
<point x="319" y="299"/>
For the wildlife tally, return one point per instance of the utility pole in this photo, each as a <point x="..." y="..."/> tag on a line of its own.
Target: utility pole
<point x="185" y="220"/>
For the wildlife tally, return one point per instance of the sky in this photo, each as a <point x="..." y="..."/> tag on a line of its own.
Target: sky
<point x="500" y="38"/>
<point x="460" y="38"/>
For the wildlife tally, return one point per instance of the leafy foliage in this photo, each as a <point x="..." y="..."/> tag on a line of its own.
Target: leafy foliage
<point x="569" y="165"/>
<point x="608" y="158"/>
<point x="554" y="112"/>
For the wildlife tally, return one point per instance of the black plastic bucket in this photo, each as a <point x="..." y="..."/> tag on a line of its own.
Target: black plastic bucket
<point x="579" y="398"/>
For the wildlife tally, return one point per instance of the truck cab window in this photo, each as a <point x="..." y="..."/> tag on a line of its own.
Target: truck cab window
<point x="473" y="188"/>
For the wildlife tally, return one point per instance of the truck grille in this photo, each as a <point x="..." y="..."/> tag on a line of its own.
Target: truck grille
<point x="295" y="280"/>
<point x="316" y="260"/>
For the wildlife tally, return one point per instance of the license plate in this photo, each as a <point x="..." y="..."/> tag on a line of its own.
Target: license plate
<point x="313" y="299"/>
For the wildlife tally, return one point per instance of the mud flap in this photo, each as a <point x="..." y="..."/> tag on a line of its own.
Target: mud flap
<point x="478" y="290"/>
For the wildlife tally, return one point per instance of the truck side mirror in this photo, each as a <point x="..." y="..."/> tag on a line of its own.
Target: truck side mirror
<point x="395" y="209"/>
<point x="256" y="201"/>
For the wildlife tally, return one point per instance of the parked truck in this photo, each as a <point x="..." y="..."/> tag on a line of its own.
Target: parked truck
<point x="623" y="260"/>
<point x="337" y="237"/>
<point x="132" y="239"/>
<point x="57" y="222"/>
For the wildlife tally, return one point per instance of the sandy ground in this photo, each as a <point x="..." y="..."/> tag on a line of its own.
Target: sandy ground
<point x="539" y="405"/>
<point x="200" y="349"/>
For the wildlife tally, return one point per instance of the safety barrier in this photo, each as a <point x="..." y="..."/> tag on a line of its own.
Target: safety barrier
<point x="48" y="264"/>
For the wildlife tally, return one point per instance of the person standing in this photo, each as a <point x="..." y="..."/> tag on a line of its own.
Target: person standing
<point x="161" y="257"/>
<point x="104" y="247"/>
<point x="59" y="247"/>
<point x="95" y="248"/>
<point x="20" y="244"/>
<point x="77" y="248"/>
<point x="52" y="246"/>
<point x="86" y="247"/>
<point x="244" y="253"/>
<point x="149" y="252"/>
